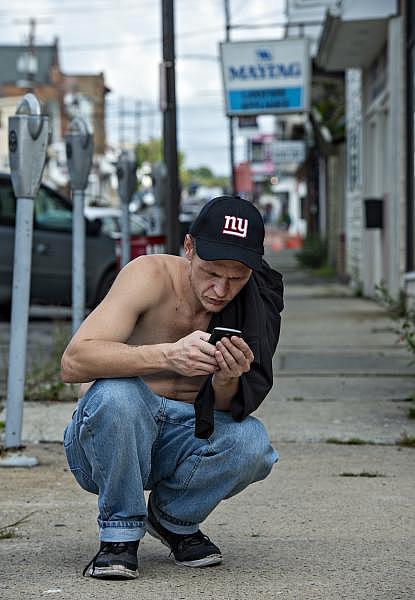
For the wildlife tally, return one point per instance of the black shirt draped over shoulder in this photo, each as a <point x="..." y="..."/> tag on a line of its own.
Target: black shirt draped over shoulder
<point x="256" y="312"/>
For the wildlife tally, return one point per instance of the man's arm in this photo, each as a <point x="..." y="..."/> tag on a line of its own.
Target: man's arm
<point x="99" y="348"/>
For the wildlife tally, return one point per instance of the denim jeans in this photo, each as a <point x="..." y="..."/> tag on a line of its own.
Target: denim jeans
<point x="124" y="439"/>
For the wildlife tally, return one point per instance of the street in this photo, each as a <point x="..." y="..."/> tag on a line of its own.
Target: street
<point x="334" y="520"/>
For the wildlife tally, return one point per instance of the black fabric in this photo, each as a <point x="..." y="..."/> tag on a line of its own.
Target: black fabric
<point x="256" y="311"/>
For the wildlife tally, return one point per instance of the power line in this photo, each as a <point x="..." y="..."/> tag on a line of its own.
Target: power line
<point x="80" y="8"/>
<point x="107" y="45"/>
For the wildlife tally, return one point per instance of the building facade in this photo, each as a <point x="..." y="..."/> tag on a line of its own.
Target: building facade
<point x="367" y="41"/>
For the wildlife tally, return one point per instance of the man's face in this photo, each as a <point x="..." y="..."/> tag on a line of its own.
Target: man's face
<point x="215" y="282"/>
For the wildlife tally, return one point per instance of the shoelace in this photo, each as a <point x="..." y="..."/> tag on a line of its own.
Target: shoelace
<point x="192" y="540"/>
<point x="113" y="547"/>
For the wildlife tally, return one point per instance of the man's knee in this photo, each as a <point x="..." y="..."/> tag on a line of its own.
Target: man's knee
<point x="255" y="453"/>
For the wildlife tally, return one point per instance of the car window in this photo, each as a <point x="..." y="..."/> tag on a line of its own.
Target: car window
<point x="136" y="226"/>
<point x="51" y="213"/>
<point x="7" y="205"/>
<point x="109" y="225"/>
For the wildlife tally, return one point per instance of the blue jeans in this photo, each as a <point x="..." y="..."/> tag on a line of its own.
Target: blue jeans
<point x="124" y="439"/>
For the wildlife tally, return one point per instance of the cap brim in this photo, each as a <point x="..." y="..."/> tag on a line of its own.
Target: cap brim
<point x="208" y="250"/>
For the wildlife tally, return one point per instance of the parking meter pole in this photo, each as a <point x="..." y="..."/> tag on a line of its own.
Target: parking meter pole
<point x="125" y="235"/>
<point x="19" y="321"/>
<point x="28" y="139"/>
<point x="78" y="260"/>
<point x="79" y="149"/>
<point x="127" y="183"/>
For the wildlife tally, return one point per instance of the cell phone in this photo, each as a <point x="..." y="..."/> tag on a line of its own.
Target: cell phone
<point x="219" y="332"/>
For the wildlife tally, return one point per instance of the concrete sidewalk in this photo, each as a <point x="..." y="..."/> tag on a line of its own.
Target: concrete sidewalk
<point x="332" y="521"/>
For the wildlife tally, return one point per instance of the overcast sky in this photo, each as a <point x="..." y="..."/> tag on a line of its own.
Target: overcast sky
<point x="122" y="38"/>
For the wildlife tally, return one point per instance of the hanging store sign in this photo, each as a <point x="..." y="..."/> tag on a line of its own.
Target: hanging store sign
<point x="266" y="77"/>
<point x="288" y="151"/>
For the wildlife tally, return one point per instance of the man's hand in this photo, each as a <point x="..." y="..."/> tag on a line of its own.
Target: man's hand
<point x="193" y="355"/>
<point x="233" y="357"/>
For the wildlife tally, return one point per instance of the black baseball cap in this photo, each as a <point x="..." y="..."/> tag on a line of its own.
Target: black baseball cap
<point x="229" y="228"/>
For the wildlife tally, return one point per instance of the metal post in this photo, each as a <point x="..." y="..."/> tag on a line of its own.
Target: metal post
<point x="170" y="129"/>
<point x="230" y="119"/>
<point x="125" y="234"/>
<point x="19" y="321"/>
<point x="78" y="259"/>
<point x="127" y="183"/>
<point x="28" y="138"/>
<point x="79" y="148"/>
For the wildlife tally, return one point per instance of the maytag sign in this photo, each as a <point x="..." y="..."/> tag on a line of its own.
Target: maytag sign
<point x="266" y="77"/>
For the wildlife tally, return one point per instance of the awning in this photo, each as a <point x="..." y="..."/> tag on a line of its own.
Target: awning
<point x="350" y="44"/>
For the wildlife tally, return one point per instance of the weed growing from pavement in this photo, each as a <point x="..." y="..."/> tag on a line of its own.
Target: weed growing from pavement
<point x="403" y="315"/>
<point x="406" y="441"/>
<point x="8" y="532"/>
<point x="43" y="380"/>
<point x="295" y="399"/>
<point x="350" y="442"/>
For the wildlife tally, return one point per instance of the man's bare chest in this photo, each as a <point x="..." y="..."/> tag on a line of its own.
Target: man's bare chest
<point x="167" y="323"/>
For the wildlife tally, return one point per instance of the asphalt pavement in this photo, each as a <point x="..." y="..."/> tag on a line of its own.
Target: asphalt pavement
<point x="334" y="520"/>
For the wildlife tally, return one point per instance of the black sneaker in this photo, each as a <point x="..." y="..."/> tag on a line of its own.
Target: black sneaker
<point x="193" y="550"/>
<point x="114" y="559"/>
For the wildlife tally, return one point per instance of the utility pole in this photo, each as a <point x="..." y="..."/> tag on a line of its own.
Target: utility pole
<point x="168" y="106"/>
<point x="137" y="122"/>
<point x="121" y="128"/>
<point x="231" y="137"/>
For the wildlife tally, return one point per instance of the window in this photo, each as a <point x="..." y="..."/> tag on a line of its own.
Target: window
<point x="51" y="213"/>
<point x="7" y="205"/>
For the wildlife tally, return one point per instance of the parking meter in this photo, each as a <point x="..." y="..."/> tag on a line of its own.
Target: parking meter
<point x="28" y="139"/>
<point x="79" y="148"/>
<point x="127" y="183"/>
<point x="156" y="213"/>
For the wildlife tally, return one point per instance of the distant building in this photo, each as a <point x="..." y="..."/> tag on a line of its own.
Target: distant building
<point x="37" y="69"/>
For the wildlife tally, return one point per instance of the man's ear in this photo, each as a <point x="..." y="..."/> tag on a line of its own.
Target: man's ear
<point x="189" y="246"/>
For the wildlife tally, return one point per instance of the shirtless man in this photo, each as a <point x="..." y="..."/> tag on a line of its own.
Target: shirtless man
<point x="146" y="347"/>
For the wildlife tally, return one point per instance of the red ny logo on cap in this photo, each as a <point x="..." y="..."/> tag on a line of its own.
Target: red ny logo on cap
<point x="235" y="226"/>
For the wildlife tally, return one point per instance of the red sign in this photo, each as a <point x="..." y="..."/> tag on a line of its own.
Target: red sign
<point x="243" y="178"/>
<point x="143" y="244"/>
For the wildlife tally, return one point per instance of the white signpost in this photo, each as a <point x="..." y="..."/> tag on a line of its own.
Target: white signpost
<point x="266" y="77"/>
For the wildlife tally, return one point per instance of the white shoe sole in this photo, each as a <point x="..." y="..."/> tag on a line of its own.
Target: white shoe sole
<point x="212" y="559"/>
<point x="112" y="571"/>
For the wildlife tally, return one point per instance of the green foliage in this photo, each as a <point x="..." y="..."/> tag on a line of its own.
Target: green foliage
<point x="399" y="312"/>
<point x="43" y="380"/>
<point x="329" y="103"/>
<point x="406" y="441"/>
<point x="313" y="253"/>
<point x="203" y="176"/>
<point x="152" y="151"/>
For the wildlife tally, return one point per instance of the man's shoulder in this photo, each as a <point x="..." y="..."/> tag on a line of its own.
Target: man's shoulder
<point x="159" y="270"/>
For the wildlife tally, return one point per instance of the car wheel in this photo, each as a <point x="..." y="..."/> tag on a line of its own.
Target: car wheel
<point x="104" y="285"/>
